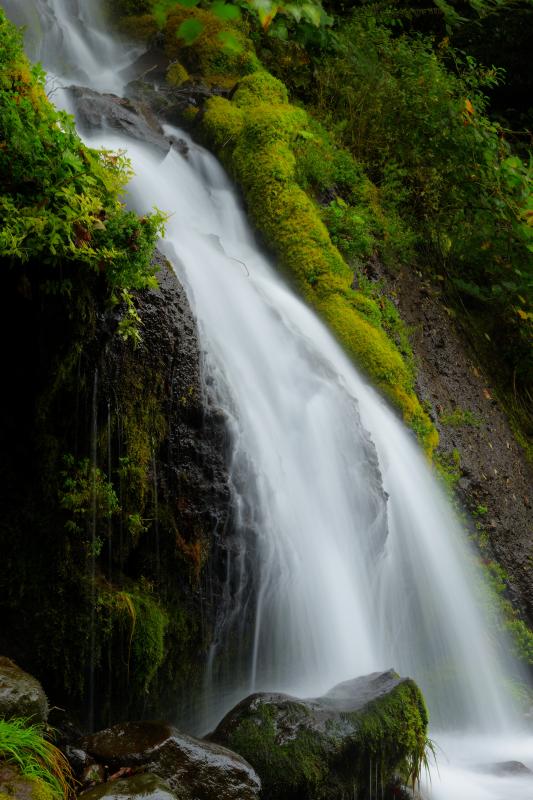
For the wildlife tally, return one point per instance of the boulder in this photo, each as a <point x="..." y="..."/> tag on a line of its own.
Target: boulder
<point x="507" y="768"/>
<point x="21" y="695"/>
<point x="137" y="787"/>
<point x="349" y="743"/>
<point x="95" y="111"/>
<point x="193" y="769"/>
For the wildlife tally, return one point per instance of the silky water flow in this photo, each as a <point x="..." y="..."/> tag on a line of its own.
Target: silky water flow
<point x="347" y="557"/>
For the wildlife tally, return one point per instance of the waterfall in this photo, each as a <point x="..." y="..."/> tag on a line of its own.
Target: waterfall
<point x="347" y="557"/>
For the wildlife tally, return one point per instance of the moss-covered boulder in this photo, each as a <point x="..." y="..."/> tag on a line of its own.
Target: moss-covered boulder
<point x="370" y="728"/>
<point x="193" y="769"/>
<point x="21" y="695"/>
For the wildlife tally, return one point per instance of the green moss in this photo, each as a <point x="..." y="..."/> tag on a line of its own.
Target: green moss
<point x="177" y="74"/>
<point x="146" y="624"/>
<point x="141" y="26"/>
<point x="220" y="54"/>
<point x="260" y="138"/>
<point x="460" y="418"/>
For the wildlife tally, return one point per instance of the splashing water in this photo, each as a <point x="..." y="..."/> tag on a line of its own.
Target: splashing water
<point x="347" y="558"/>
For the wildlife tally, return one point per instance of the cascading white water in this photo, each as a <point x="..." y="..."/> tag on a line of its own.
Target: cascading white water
<point x="349" y="558"/>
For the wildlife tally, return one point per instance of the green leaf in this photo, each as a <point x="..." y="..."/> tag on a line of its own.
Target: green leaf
<point x="160" y="11"/>
<point x="189" y="30"/>
<point x="230" y="43"/>
<point x="224" y="11"/>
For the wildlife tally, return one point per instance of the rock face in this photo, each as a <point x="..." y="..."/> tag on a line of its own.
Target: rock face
<point x="21" y="695"/>
<point x="121" y="116"/>
<point x="77" y="384"/>
<point x="333" y="746"/>
<point x="193" y="769"/>
<point x="496" y="479"/>
<point x="137" y="787"/>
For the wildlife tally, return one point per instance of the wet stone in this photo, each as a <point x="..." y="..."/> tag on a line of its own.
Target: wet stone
<point x="507" y="768"/>
<point x="136" y="787"/>
<point x="21" y="695"/>
<point x="193" y="769"/>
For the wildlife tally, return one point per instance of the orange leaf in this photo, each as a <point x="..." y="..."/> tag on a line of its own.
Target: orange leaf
<point x="469" y="107"/>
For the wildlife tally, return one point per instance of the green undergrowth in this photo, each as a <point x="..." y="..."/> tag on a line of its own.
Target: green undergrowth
<point x="142" y="622"/>
<point x="37" y="759"/>
<point x="499" y="607"/>
<point x="60" y="201"/>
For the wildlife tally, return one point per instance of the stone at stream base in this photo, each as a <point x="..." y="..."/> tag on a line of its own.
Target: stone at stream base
<point x="14" y="785"/>
<point x="137" y="787"/>
<point x="21" y="695"/>
<point x="193" y="769"/>
<point x="507" y="768"/>
<point x="349" y="743"/>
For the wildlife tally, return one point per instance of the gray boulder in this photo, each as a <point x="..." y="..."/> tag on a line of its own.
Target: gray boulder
<point x="352" y="742"/>
<point x="193" y="769"/>
<point x="21" y="695"/>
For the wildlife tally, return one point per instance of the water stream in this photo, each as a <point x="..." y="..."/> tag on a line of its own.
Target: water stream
<point x="348" y="557"/>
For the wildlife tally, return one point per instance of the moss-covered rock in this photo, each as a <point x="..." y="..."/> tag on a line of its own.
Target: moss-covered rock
<point x="220" y="54"/>
<point x="15" y="785"/>
<point x="114" y="492"/>
<point x="327" y="748"/>
<point x="256" y="134"/>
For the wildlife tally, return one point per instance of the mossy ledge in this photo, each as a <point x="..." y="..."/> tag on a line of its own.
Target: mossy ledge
<point x="283" y="160"/>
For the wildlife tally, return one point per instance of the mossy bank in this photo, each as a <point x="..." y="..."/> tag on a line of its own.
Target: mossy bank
<point x="297" y="181"/>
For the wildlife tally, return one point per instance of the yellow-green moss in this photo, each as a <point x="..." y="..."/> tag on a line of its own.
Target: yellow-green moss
<point x="282" y="159"/>
<point x="145" y="623"/>
<point x="221" y="53"/>
<point x="256" y="134"/>
<point x="140" y="26"/>
<point x="177" y="74"/>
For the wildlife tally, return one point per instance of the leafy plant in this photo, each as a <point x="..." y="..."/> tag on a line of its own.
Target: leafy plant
<point x="60" y="200"/>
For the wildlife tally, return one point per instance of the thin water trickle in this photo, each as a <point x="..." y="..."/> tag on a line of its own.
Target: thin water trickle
<point x="93" y="547"/>
<point x="348" y="557"/>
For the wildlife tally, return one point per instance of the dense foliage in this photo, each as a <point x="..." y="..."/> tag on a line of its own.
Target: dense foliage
<point x="60" y="200"/>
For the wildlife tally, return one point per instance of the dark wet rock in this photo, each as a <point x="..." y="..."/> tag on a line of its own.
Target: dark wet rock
<point x="171" y="102"/>
<point x="193" y="769"/>
<point x="95" y="111"/>
<point x="323" y="747"/>
<point x="78" y="759"/>
<point x="507" y="768"/>
<point x="21" y="695"/>
<point x="451" y="378"/>
<point x="137" y="787"/>
<point x="92" y="774"/>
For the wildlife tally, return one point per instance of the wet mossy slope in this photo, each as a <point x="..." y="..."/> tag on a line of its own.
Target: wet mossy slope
<point x="302" y="191"/>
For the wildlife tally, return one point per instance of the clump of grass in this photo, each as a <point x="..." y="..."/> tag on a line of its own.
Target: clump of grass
<point x="24" y="745"/>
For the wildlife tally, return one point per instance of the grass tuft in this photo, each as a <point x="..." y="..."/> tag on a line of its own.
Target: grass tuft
<point x="24" y="745"/>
